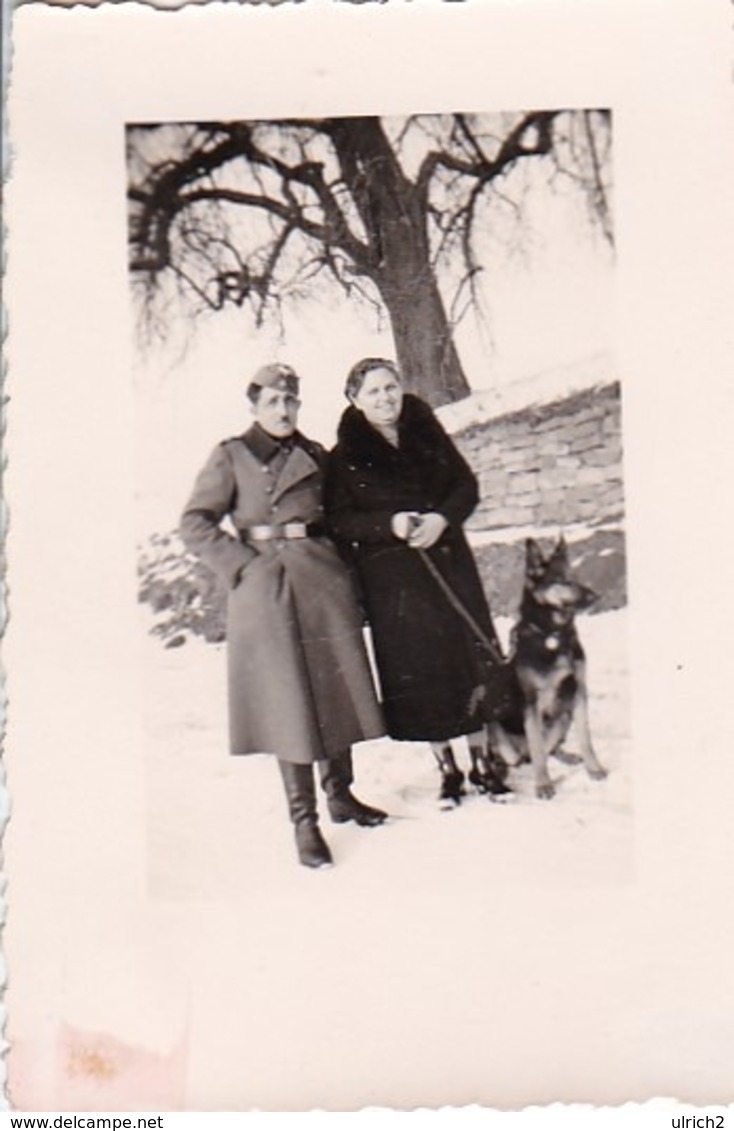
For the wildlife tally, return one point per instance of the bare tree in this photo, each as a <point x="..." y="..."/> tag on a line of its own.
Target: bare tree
<point x="251" y="213"/>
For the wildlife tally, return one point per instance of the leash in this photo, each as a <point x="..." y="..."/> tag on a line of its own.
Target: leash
<point x="459" y="607"/>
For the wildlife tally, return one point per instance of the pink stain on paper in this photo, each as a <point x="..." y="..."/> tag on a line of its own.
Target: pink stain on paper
<point x="98" y="1072"/>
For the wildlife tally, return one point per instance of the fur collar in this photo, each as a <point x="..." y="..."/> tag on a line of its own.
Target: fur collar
<point x="418" y="435"/>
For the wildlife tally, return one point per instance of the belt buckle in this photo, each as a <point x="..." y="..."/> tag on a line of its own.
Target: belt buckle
<point x="294" y="530"/>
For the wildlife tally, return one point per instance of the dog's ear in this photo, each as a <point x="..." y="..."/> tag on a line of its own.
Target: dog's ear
<point x="559" y="557"/>
<point x="534" y="560"/>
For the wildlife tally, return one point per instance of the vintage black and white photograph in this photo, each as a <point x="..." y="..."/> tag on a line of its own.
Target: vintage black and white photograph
<point x="383" y="487"/>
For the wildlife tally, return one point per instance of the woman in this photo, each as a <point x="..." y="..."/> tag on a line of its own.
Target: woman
<point x="397" y="491"/>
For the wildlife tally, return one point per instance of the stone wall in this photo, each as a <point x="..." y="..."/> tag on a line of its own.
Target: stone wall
<point x="546" y="468"/>
<point x="551" y="465"/>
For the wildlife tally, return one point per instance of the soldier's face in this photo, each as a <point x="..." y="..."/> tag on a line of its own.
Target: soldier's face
<point x="276" y="411"/>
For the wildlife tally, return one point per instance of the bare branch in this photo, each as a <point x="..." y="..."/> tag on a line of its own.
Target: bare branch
<point x="248" y="214"/>
<point x="531" y="137"/>
<point x="150" y="228"/>
<point x="466" y="131"/>
<point x="183" y="277"/>
<point x="598" y="190"/>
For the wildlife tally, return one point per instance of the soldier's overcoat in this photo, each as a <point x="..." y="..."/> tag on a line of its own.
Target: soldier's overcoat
<point x="299" y="680"/>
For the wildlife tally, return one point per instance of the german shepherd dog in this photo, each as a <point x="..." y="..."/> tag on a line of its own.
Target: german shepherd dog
<point x="549" y="668"/>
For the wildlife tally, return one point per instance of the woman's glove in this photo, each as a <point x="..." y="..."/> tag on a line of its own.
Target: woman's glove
<point x="403" y="523"/>
<point x="427" y="531"/>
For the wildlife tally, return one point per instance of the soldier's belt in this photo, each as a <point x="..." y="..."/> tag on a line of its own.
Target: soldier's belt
<point x="265" y="533"/>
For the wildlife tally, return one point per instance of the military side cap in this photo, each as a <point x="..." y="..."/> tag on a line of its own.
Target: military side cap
<point x="277" y="376"/>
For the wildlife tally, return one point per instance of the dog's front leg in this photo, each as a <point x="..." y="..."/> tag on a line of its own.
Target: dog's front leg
<point x="594" y="767"/>
<point x="534" y="734"/>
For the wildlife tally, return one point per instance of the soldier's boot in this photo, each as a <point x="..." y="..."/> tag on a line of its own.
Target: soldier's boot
<point x="300" y="792"/>
<point x="337" y="776"/>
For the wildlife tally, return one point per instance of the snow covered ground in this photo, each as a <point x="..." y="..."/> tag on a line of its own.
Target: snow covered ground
<point x="218" y="828"/>
<point x="538" y="388"/>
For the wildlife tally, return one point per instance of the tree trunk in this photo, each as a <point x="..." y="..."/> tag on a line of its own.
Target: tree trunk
<point x="394" y="220"/>
<point x="424" y="345"/>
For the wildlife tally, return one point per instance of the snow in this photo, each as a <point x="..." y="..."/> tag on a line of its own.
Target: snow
<point x="571" y="531"/>
<point x="219" y="827"/>
<point x="539" y="388"/>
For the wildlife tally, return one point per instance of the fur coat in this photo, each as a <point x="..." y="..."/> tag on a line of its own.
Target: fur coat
<point x="431" y="669"/>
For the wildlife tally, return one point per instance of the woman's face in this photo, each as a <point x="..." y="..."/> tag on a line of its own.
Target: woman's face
<point x="380" y="398"/>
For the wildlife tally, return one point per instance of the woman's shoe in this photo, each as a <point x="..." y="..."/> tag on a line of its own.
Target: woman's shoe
<point x="452" y="786"/>
<point x="485" y="776"/>
<point x="452" y="779"/>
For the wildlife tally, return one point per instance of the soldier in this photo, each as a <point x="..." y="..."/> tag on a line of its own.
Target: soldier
<point x="299" y="680"/>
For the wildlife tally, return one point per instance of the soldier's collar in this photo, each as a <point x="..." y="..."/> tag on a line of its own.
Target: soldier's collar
<point x="264" y="446"/>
